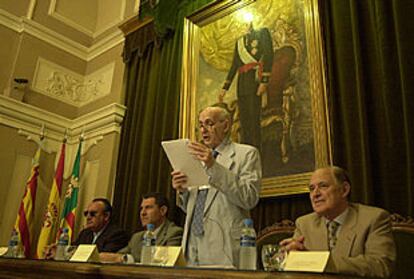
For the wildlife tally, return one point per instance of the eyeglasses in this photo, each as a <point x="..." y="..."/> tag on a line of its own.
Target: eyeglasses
<point x="208" y="124"/>
<point x="90" y="213"/>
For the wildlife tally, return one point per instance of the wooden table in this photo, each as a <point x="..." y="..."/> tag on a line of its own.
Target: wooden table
<point x="20" y="268"/>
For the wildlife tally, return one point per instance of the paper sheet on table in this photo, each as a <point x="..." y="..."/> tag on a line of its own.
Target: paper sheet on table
<point x="310" y="261"/>
<point x="180" y="159"/>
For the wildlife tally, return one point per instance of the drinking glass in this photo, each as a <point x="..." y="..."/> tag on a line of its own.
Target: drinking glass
<point x="273" y="257"/>
<point x="69" y="251"/>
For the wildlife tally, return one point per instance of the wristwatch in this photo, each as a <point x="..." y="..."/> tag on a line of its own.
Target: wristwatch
<point x="125" y="258"/>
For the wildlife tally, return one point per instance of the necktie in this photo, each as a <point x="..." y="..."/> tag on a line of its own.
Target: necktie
<point x="332" y="229"/>
<point x="197" y="227"/>
<point x="197" y="224"/>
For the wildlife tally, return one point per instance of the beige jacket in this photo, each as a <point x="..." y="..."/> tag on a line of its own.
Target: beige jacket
<point x="365" y="244"/>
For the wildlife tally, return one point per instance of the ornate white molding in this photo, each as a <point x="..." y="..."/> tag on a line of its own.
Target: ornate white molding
<point x="28" y="120"/>
<point x="69" y="87"/>
<point x="24" y="25"/>
<point x="92" y="33"/>
<point x="11" y="21"/>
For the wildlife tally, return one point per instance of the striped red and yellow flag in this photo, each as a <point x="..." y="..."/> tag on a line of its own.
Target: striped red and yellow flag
<point x="71" y="199"/>
<point x="50" y="220"/>
<point x="27" y="205"/>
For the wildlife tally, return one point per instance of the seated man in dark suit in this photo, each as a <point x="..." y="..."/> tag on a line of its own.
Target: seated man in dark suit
<point x="359" y="237"/>
<point x="98" y="230"/>
<point x="154" y="209"/>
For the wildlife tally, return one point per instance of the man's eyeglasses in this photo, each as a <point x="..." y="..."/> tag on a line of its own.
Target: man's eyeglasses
<point x="90" y="213"/>
<point x="208" y="124"/>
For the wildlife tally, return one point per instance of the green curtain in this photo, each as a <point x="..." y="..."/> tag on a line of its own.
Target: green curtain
<point x="370" y="78"/>
<point x="153" y="58"/>
<point x="370" y="68"/>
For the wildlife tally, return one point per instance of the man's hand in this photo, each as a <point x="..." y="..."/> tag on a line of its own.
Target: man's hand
<point x="106" y="257"/>
<point x="179" y="179"/>
<point x="202" y="153"/>
<point x="50" y="252"/>
<point x="261" y="89"/>
<point x="292" y="244"/>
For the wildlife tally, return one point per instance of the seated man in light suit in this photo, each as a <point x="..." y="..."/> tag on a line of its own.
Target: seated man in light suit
<point x="154" y="209"/>
<point x="359" y="236"/>
<point x="215" y="212"/>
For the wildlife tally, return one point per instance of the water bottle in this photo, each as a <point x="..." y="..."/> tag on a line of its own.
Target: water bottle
<point x="62" y="245"/>
<point x="13" y="250"/>
<point x="148" y="245"/>
<point x="248" y="252"/>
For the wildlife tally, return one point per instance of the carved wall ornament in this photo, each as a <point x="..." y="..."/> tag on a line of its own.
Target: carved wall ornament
<point x="69" y="87"/>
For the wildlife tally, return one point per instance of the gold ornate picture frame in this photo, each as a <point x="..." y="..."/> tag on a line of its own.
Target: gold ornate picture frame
<point x="293" y="123"/>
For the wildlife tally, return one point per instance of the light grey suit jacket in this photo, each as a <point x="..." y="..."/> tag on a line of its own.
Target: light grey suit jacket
<point x="235" y="178"/>
<point x="365" y="244"/>
<point x="168" y="235"/>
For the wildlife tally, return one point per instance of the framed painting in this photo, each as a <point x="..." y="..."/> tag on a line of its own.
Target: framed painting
<point x="264" y="61"/>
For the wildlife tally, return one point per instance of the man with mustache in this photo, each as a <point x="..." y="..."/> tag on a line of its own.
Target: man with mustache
<point x="359" y="237"/>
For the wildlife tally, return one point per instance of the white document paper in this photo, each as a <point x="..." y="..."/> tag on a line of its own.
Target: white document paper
<point x="310" y="261"/>
<point x="180" y="159"/>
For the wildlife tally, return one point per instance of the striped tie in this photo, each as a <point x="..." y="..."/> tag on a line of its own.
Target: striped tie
<point x="332" y="229"/>
<point x="197" y="227"/>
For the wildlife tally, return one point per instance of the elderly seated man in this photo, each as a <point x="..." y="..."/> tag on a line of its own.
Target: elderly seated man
<point x="99" y="229"/>
<point x="359" y="237"/>
<point x="154" y="209"/>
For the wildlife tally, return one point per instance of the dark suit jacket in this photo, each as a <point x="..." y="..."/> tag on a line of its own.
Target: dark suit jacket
<point x="365" y="244"/>
<point x="111" y="239"/>
<point x="168" y="235"/>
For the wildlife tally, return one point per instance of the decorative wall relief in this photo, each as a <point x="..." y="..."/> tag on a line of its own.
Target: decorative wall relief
<point x="69" y="87"/>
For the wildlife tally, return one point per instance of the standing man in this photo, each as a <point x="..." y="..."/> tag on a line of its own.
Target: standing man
<point x="215" y="212"/>
<point x="154" y="210"/>
<point x="252" y="60"/>
<point x="359" y="237"/>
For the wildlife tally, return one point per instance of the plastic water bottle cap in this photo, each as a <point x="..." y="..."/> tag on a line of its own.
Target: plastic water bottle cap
<point x="248" y="222"/>
<point x="150" y="227"/>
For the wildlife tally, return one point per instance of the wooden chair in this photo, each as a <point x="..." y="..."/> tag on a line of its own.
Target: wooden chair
<point x="272" y="235"/>
<point x="403" y="231"/>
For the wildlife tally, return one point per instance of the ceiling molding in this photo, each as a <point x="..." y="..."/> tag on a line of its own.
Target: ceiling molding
<point x="24" y="25"/>
<point x="11" y="21"/>
<point x="132" y="24"/>
<point x="91" y="33"/>
<point x="29" y="119"/>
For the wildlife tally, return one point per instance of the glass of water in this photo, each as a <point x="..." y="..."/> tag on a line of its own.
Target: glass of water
<point x="69" y="251"/>
<point x="273" y="257"/>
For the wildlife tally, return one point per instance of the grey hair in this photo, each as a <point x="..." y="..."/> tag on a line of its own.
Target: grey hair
<point x="341" y="175"/>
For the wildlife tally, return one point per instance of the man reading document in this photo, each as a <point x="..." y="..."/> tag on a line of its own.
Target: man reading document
<point x="215" y="212"/>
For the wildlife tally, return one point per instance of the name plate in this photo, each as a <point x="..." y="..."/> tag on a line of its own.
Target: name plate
<point x="308" y="261"/>
<point x="3" y="250"/>
<point x="85" y="253"/>
<point x="168" y="256"/>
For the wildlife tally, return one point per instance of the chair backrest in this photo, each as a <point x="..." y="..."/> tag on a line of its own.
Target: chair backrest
<point x="403" y="231"/>
<point x="273" y="234"/>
